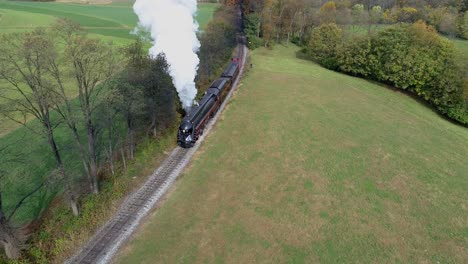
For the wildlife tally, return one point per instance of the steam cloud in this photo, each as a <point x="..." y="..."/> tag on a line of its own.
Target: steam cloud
<point x="173" y="30"/>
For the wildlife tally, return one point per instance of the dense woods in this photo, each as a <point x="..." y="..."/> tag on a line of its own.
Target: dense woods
<point x="217" y="42"/>
<point x="284" y="20"/>
<point x="399" y="43"/>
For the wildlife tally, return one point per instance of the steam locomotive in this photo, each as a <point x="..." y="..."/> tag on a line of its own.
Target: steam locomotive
<point x="193" y="124"/>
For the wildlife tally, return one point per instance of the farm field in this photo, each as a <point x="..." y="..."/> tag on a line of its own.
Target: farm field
<point x="309" y="165"/>
<point x="115" y="20"/>
<point x="39" y="162"/>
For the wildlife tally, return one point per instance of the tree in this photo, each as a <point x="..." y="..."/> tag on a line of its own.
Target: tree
<point x="159" y="93"/>
<point x="356" y="57"/>
<point x="376" y="14"/>
<point x="323" y="45"/>
<point x="358" y="14"/>
<point x="463" y="26"/>
<point x="407" y="15"/>
<point x="252" y="30"/>
<point x="217" y="43"/>
<point x="10" y="239"/>
<point x="24" y="65"/>
<point x="448" y="24"/>
<point x="327" y="13"/>
<point x="92" y="63"/>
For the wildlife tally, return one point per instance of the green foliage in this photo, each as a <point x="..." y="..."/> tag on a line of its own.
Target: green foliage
<point x="217" y="43"/>
<point x="463" y="25"/>
<point x="356" y="57"/>
<point x="252" y="30"/>
<point x="376" y="14"/>
<point x="323" y="45"/>
<point x="410" y="57"/>
<point x="459" y="113"/>
<point x="407" y="14"/>
<point x="357" y="12"/>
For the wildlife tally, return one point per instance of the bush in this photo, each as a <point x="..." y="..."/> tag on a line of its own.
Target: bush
<point x="459" y="113"/>
<point x="410" y="57"/>
<point x="356" y="57"/>
<point x="252" y="31"/>
<point x="323" y="45"/>
<point x="463" y="26"/>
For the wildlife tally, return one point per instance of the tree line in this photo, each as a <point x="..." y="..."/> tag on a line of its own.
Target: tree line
<point x="218" y="40"/>
<point x="106" y="97"/>
<point x="394" y="42"/>
<point x="412" y="57"/>
<point x="272" y="21"/>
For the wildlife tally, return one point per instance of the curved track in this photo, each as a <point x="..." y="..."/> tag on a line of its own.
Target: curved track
<point x="107" y="240"/>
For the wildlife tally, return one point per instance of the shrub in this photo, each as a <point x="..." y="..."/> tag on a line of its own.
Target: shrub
<point x="410" y="57"/>
<point x="459" y="113"/>
<point x="252" y="30"/>
<point x="356" y="57"/>
<point x="407" y="15"/>
<point x="323" y="45"/>
<point x="463" y="26"/>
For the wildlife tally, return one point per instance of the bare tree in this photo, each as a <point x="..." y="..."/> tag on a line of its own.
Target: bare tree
<point x="12" y="237"/>
<point x="92" y="62"/>
<point x="23" y="64"/>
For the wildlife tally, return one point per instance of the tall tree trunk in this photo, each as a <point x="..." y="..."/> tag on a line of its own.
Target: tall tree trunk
<point x="8" y="237"/>
<point x="122" y="152"/>
<point x="82" y="153"/>
<point x="92" y="157"/>
<point x="153" y="127"/>
<point x="111" y="152"/>
<point x="58" y="159"/>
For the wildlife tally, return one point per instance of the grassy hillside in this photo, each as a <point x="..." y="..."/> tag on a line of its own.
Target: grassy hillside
<point x="308" y="165"/>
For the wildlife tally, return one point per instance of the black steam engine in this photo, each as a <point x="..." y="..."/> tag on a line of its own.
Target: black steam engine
<point x="194" y="122"/>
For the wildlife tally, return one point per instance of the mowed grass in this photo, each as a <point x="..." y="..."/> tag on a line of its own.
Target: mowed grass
<point x="309" y="165"/>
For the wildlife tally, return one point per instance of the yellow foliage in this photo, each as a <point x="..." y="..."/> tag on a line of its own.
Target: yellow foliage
<point x="328" y="7"/>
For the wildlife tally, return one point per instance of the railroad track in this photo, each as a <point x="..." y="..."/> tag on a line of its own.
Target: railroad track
<point x="105" y="243"/>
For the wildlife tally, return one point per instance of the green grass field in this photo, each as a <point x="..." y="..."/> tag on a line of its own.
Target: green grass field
<point x="309" y="165"/>
<point x="114" y="20"/>
<point x="36" y="163"/>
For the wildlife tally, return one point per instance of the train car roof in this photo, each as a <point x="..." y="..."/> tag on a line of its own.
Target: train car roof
<point x="219" y="83"/>
<point x="214" y="91"/>
<point x="230" y="69"/>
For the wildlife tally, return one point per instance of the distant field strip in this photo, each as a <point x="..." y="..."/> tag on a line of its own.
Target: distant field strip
<point x="108" y="20"/>
<point x="312" y="166"/>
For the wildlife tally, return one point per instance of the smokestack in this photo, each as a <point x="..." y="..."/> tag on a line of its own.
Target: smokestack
<point x="173" y="29"/>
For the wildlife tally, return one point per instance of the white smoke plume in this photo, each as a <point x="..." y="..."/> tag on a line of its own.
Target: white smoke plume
<point x="173" y="31"/>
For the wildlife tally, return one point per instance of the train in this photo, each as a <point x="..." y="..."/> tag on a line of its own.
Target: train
<point x="194" y="122"/>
